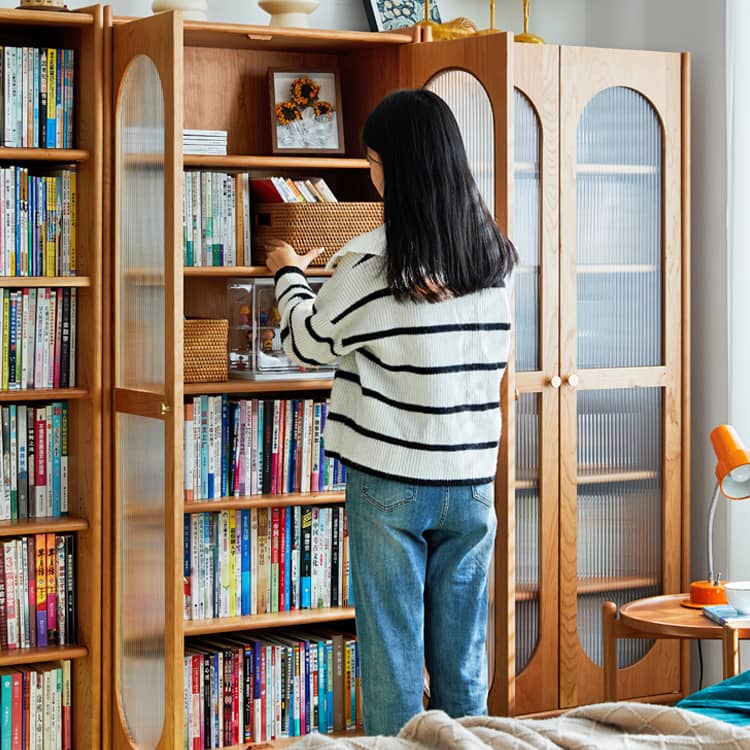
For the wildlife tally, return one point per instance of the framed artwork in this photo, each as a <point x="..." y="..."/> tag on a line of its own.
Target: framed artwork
<point x="385" y="15"/>
<point x="305" y="112"/>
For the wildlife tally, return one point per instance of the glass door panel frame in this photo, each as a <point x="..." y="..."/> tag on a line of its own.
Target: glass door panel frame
<point x="159" y="38"/>
<point x="536" y="76"/>
<point x="584" y="72"/>
<point x="487" y="58"/>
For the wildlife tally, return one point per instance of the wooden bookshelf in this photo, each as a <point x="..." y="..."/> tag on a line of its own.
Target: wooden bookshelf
<point x="265" y="501"/>
<point x="271" y="620"/>
<point x="240" y="385"/>
<point x="282" y="163"/>
<point x="83" y="31"/>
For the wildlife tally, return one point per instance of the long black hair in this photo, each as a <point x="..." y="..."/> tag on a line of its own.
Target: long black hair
<point x="442" y="241"/>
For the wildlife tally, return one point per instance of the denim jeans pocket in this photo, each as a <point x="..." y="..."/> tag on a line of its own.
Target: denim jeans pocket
<point x="484" y="493"/>
<point x="387" y="494"/>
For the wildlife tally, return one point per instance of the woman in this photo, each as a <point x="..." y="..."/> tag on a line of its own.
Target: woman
<point x="418" y="315"/>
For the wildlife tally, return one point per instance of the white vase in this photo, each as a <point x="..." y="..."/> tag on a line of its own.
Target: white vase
<point x="192" y="10"/>
<point x="289" y="12"/>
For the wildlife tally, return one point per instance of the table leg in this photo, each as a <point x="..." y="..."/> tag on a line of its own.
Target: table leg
<point x="609" y="644"/>
<point x="731" y="651"/>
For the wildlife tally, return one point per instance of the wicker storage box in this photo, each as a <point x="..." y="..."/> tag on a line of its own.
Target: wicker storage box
<point x="309" y="225"/>
<point x="205" y="348"/>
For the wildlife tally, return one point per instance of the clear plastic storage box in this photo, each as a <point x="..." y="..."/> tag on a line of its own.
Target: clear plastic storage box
<point x="255" y="334"/>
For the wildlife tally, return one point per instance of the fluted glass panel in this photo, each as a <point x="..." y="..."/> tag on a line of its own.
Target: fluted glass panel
<point x="471" y="106"/>
<point x="141" y="229"/>
<point x="528" y="541"/>
<point x="140" y="441"/>
<point x="620" y="497"/>
<point x="527" y="224"/>
<point x="141" y="576"/>
<point x="619" y="231"/>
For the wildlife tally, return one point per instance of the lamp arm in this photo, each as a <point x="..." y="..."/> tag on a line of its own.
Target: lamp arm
<point x="710" y="534"/>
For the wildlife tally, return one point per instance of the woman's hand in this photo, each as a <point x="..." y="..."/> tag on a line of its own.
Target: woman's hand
<point x="281" y="254"/>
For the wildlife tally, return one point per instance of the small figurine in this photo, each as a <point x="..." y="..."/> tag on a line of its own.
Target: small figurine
<point x="266" y="340"/>
<point x="244" y="315"/>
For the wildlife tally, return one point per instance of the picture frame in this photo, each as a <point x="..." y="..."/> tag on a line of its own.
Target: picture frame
<point x="387" y="15"/>
<point x="305" y="111"/>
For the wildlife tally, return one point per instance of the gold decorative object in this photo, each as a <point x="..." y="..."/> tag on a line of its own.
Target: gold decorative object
<point x="526" y="37"/>
<point x="455" y="29"/>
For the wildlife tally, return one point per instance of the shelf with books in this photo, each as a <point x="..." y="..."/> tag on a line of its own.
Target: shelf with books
<point x="238" y="161"/>
<point x="52" y="155"/>
<point x="41" y="18"/>
<point x="241" y="272"/>
<point x="45" y="394"/>
<point x="45" y="281"/>
<point x="38" y="525"/>
<point x="258" y="386"/>
<point x="39" y="655"/>
<point x="270" y="620"/>
<point x="265" y="501"/>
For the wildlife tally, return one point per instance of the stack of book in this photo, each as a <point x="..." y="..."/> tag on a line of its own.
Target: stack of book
<point x="213" y="142"/>
<point x="726" y="614"/>
<point x="288" y="190"/>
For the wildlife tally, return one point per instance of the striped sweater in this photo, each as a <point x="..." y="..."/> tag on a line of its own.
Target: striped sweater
<point x="416" y="391"/>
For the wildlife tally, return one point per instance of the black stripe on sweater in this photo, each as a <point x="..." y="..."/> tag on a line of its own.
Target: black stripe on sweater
<point x="379" y="294"/>
<point x="297" y="354"/>
<point x="295" y="286"/>
<point x="288" y="269"/>
<point x="445" y="447"/>
<point x="437" y="370"/>
<point x="370" y="393"/>
<point x="422" y="330"/>
<point x="409" y="480"/>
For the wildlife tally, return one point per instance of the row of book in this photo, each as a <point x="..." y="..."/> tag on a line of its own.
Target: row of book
<point x="38" y="330"/>
<point x="36" y="707"/>
<point x="37" y="591"/>
<point x="37" y="97"/>
<point x="289" y="190"/>
<point x="34" y="461"/>
<point x="265" y="560"/>
<point x="215" y="206"/>
<point x="38" y="217"/>
<point x="270" y="685"/>
<point x="256" y="446"/>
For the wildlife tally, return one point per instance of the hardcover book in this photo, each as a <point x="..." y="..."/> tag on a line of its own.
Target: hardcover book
<point x="725" y="613"/>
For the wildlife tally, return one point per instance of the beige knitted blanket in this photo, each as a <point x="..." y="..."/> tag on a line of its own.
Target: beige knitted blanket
<point x="610" y="726"/>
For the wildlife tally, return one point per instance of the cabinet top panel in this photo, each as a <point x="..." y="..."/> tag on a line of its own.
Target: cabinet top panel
<point x="56" y="19"/>
<point x="239" y="36"/>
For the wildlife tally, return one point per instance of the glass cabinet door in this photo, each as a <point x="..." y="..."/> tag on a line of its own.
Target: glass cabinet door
<point x="620" y="361"/>
<point x="535" y="377"/>
<point x="147" y="382"/>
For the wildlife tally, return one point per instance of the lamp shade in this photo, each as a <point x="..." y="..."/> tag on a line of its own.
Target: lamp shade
<point x="732" y="462"/>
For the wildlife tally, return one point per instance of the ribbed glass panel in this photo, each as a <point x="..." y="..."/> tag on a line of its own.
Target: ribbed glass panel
<point x="527" y="223"/>
<point x="619" y="231"/>
<point x="528" y="541"/>
<point x="140" y="441"/>
<point x="471" y="106"/>
<point x="141" y="207"/>
<point x="620" y="497"/>
<point x="140" y="476"/>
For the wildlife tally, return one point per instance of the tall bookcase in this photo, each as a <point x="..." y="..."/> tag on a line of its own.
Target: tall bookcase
<point x="81" y="31"/>
<point x="168" y="75"/>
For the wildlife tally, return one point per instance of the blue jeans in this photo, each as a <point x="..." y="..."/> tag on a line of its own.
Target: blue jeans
<point x="420" y="559"/>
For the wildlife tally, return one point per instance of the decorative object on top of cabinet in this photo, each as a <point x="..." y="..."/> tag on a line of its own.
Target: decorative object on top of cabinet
<point x="42" y="5"/>
<point x="192" y="10"/>
<point x="289" y="12"/>
<point x="526" y="37"/>
<point x="455" y="29"/>
<point x="305" y="111"/>
<point x="387" y="15"/>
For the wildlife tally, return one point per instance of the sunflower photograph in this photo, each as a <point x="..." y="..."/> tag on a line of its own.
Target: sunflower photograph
<point x="305" y="112"/>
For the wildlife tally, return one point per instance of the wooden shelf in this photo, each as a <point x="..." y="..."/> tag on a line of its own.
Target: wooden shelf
<point x="44" y="281"/>
<point x="258" y="386"/>
<point x="265" y="501"/>
<point x="282" y="742"/>
<point x="530" y="591"/>
<point x="615" y="169"/>
<point x="241" y="271"/>
<point x="273" y="620"/>
<point x="43" y="154"/>
<point x="44" y="394"/>
<point x="618" y="268"/>
<point x="239" y="161"/>
<point x="616" y="476"/>
<point x="44" y="18"/>
<point x="42" y="525"/>
<point x="18" y="656"/>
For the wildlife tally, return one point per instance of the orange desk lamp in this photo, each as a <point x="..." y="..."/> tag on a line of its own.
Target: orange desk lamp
<point x="732" y="481"/>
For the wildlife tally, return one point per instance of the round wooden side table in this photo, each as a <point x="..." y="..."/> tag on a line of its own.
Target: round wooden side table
<point x="662" y="617"/>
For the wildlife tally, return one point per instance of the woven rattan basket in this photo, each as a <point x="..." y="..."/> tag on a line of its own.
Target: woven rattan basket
<point x="205" y="347"/>
<point x="309" y="225"/>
